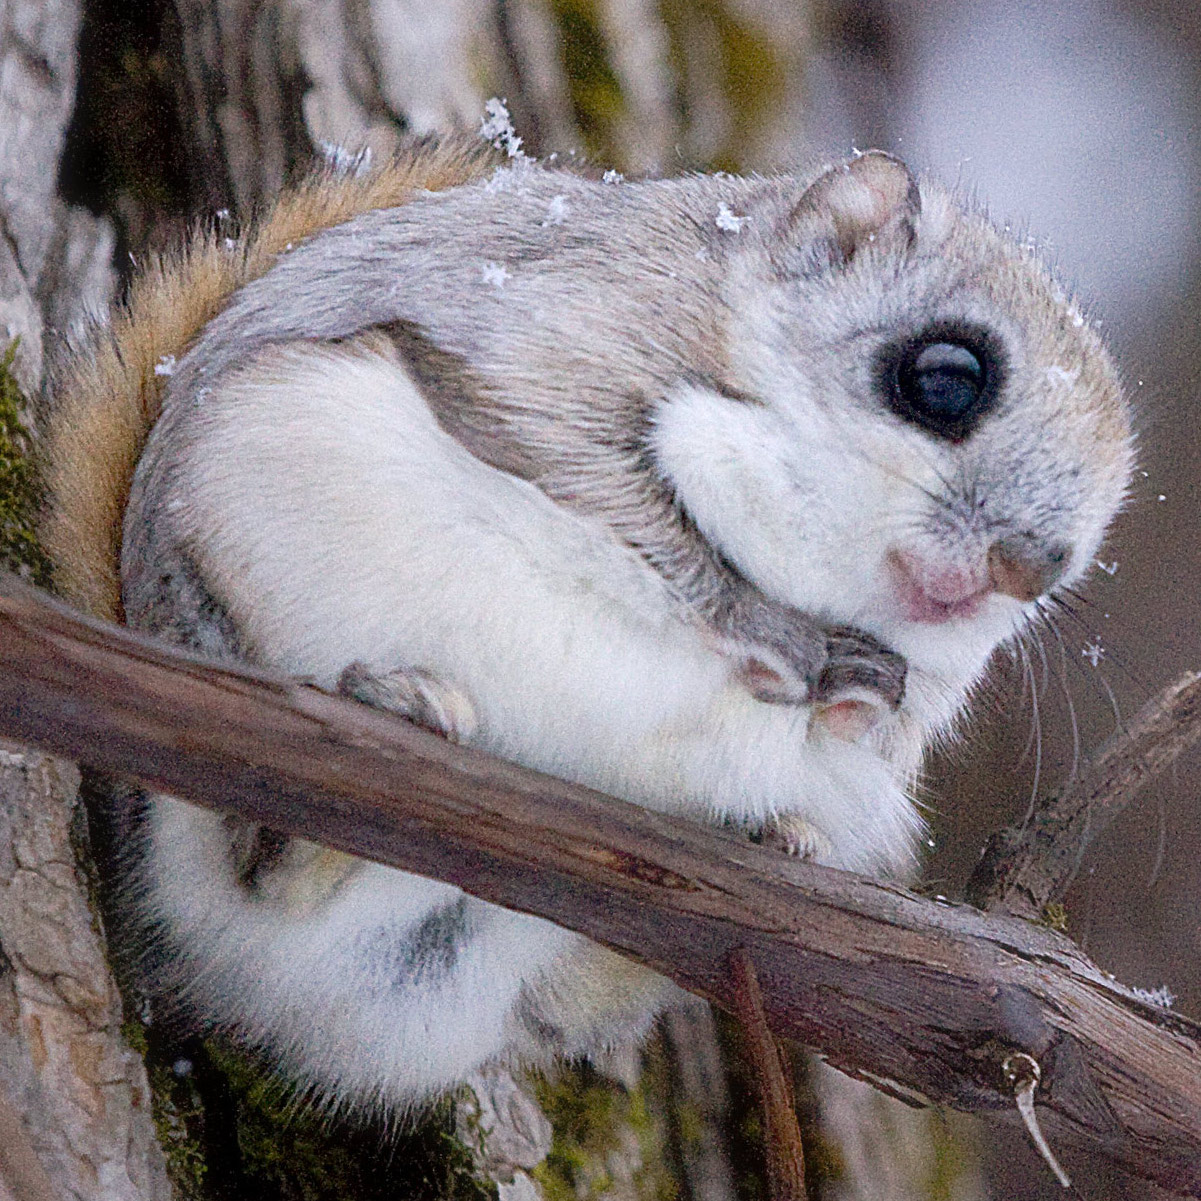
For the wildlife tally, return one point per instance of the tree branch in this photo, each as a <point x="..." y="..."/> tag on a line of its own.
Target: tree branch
<point x="782" y="1131"/>
<point x="1025" y="868"/>
<point x="925" y="999"/>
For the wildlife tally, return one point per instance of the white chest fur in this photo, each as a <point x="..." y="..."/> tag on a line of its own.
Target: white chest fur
<point x="338" y="522"/>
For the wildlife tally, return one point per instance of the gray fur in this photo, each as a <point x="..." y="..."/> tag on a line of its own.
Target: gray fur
<point x="553" y="373"/>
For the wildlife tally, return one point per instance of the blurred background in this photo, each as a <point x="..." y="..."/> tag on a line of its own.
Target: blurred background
<point x="1076" y="124"/>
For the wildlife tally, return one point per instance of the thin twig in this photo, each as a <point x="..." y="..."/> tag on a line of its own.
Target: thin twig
<point x="777" y="1102"/>
<point x="1026" y="868"/>
<point x="1024" y="1073"/>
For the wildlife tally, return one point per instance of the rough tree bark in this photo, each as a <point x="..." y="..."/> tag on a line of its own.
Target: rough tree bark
<point x="54" y="260"/>
<point x="64" y="1066"/>
<point x="69" y="1084"/>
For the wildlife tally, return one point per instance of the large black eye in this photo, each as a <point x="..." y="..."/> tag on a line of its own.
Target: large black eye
<point x="943" y="381"/>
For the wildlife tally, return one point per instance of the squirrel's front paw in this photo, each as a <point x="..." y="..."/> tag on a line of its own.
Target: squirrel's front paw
<point x="779" y="651"/>
<point x="785" y="657"/>
<point x="414" y="694"/>
<point x="861" y="683"/>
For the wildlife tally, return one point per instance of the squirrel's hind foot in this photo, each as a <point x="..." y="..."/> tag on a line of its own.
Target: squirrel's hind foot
<point x="414" y="694"/>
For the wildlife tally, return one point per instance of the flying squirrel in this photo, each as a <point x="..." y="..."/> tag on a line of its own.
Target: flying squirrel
<point x="713" y="493"/>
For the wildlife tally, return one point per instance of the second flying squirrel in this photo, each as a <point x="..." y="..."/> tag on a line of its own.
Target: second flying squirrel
<point x="657" y="486"/>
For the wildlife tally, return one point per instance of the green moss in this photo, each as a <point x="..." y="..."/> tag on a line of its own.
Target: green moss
<point x="178" y="1113"/>
<point x="187" y="1168"/>
<point x="596" y="98"/>
<point x="20" y="491"/>
<point x="288" y="1150"/>
<point x="954" y="1160"/>
<point x="689" y="1122"/>
<point x="133" y="1034"/>
<point x="593" y="1118"/>
<point x="752" y="78"/>
<point x="230" y="1128"/>
<point x="1055" y="916"/>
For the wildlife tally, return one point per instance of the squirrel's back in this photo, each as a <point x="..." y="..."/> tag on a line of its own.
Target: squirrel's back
<point x="107" y="398"/>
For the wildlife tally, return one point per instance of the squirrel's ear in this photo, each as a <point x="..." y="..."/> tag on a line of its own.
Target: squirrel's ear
<point x="871" y="199"/>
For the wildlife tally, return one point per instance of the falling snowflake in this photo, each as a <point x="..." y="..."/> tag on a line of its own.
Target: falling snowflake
<point x="510" y="176"/>
<point x="1161" y="996"/>
<point x="497" y="128"/>
<point x="556" y="212"/>
<point x="1108" y="568"/>
<point x="612" y="176"/>
<point x="1094" y="652"/>
<point x="1062" y="375"/>
<point x="342" y="160"/>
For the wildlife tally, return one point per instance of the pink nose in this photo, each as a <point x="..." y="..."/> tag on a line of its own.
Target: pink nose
<point x="933" y="591"/>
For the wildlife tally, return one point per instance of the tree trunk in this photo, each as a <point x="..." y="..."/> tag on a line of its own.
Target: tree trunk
<point x="74" y="1101"/>
<point x="64" y="1064"/>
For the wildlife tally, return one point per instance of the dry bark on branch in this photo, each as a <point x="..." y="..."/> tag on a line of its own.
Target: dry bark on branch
<point x="926" y="999"/>
<point x="785" y="1150"/>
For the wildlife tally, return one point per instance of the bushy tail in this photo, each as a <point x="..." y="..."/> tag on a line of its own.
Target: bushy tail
<point x="107" y="398"/>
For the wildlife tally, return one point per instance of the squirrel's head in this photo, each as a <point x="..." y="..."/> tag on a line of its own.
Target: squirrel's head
<point x="923" y="436"/>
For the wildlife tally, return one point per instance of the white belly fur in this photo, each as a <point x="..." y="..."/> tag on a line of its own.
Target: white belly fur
<point x="338" y="522"/>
